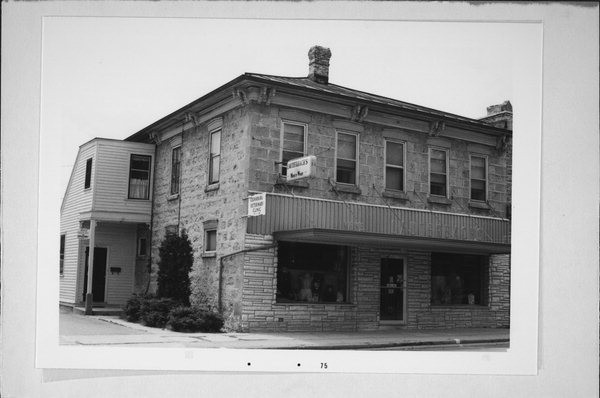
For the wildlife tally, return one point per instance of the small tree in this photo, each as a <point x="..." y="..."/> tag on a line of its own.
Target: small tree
<point x="174" y="266"/>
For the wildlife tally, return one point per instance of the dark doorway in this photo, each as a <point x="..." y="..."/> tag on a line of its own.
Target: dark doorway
<point x="99" y="276"/>
<point x="392" y="289"/>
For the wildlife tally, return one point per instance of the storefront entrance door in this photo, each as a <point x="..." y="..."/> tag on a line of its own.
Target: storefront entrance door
<point x="393" y="295"/>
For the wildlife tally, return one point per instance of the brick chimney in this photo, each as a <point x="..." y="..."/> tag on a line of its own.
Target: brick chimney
<point x="499" y="115"/>
<point x="318" y="64"/>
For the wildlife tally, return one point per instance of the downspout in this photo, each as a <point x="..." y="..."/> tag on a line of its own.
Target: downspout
<point x="149" y="266"/>
<point x="265" y="247"/>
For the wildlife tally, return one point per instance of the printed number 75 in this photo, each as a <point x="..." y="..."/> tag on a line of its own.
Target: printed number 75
<point x="323" y="365"/>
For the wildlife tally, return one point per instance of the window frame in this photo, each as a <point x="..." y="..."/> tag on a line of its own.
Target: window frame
<point x="87" y="183"/>
<point x="63" y="245"/>
<point x="139" y="246"/>
<point x="281" y="142"/>
<point x="486" y="180"/>
<point x="209" y="226"/>
<point x="447" y="152"/>
<point x="149" y="176"/>
<point x="386" y="165"/>
<point x="483" y="275"/>
<point x="356" y="160"/>
<point x="212" y="156"/>
<point x="173" y="182"/>
<point x="347" y="279"/>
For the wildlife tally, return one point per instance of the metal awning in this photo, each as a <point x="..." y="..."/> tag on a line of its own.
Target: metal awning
<point x="369" y="239"/>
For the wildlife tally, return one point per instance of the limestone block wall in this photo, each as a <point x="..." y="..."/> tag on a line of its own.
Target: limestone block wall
<point x="199" y="202"/>
<point x="265" y="153"/>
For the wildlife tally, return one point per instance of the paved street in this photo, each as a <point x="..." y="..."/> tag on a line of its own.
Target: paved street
<point x="108" y="330"/>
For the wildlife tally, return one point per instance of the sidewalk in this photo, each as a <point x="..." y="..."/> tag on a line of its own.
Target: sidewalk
<point x="135" y="334"/>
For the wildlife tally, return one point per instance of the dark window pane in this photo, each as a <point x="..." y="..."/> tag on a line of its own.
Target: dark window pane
<point x="346" y="171"/>
<point x="437" y="185"/>
<point x="458" y="279"/>
<point x="175" y="170"/>
<point x="394" y="153"/>
<point x="88" y="173"/>
<point x="346" y="148"/>
<point x="312" y="272"/>
<point x="394" y="178"/>
<point x="214" y="169"/>
<point x="211" y="241"/>
<point x="140" y="162"/>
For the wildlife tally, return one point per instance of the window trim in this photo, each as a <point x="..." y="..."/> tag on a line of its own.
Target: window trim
<point x="486" y="180"/>
<point x="62" y="250"/>
<point x="281" y="135"/>
<point x="436" y="148"/>
<point x="210" y="154"/>
<point x="149" y="176"/>
<point x="87" y="180"/>
<point x="385" y="164"/>
<point x="356" y="160"/>
<point x="139" y="246"/>
<point x="173" y="148"/>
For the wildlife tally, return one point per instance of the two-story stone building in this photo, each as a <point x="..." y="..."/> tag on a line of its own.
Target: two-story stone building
<point x="405" y="220"/>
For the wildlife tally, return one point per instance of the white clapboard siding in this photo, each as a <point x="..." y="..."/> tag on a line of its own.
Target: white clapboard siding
<point x="112" y="177"/>
<point x="76" y="200"/>
<point x="120" y="240"/>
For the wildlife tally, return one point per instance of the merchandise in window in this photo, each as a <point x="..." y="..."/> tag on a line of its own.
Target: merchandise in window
<point x="312" y="273"/>
<point x="458" y="279"/>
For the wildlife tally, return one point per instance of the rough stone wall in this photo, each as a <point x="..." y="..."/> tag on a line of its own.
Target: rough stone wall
<point x="198" y="202"/>
<point x="499" y="274"/>
<point x="265" y="153"/>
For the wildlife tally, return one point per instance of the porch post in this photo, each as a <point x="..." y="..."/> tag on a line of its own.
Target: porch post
<point x="89" y="298"/>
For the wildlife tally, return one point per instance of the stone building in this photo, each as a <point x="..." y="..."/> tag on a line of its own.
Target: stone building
<point x="403" y="221"/>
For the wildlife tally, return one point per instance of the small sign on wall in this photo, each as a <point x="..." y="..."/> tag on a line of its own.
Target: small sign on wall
<point x="301" y="167"/>
<point x="257" y="204"/>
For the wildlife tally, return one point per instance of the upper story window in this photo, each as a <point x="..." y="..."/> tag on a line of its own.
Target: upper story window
<point x="478" y="178"/>
<point x="214" y="161"/>
<point x="175" y="169"/>
<point x="438" y="172"/>
<point x="293" y="143"/>
<point x="346" y="158"/>
<point x="394" y="165"/>
<point x="139" y="177"/>
<point x="62" y="253"/>
<point x="88" y="173"/>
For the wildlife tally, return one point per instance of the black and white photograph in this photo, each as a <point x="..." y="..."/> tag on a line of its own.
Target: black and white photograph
<point x="283" y="212"/>
<point x="288" y="193"/>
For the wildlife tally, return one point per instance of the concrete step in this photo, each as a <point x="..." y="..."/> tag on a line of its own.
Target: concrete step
<point x="99" y="310"/>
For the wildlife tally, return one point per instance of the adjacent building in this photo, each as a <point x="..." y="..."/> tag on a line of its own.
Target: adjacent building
<point x="403" y="221"/>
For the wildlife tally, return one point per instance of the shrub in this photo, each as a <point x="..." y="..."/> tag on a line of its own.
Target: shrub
<point x="190" y="319"/>
<point x="131" y="310"/>
<point x="154" y="312"/>
<point x="174" y="266"/>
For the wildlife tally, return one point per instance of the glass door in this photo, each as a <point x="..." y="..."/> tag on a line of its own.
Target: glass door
<point x="393" y="293"/>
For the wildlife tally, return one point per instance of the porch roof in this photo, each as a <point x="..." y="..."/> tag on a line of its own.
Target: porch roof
<point x="115" y="216"/>
<point x="370" y="239"/>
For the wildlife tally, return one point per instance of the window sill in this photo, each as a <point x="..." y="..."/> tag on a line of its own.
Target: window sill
<point x="173" y="197"/>
<point x="281" y="180"/>
<point x="479" y="205"/>
<point x="347" y="188"/>
<point x="459" y="306"/>
<point x="212" y="187"/>
<point x="307" y="303"/>
<point x="395" y="194"/>
<point x="209" y="254"/>
<point x="440" y="200"/>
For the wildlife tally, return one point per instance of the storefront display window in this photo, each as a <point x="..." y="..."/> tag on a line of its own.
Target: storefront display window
<point x="312" y="273"/>
<point x="458" y="279"/>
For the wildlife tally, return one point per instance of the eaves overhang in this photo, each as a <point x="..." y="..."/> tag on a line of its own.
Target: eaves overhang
<point x="375" y="240"/>
<point x="340" y="94"/>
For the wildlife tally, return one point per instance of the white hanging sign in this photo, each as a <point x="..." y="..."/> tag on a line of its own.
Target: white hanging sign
<point x="257" y="204"/>
<point x="301" y="167"/>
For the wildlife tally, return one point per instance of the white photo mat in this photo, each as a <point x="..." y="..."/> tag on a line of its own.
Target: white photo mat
<point x="520" y="359"/>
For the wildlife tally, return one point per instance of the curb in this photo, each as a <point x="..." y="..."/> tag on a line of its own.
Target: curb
<point x="454" y="342"/>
